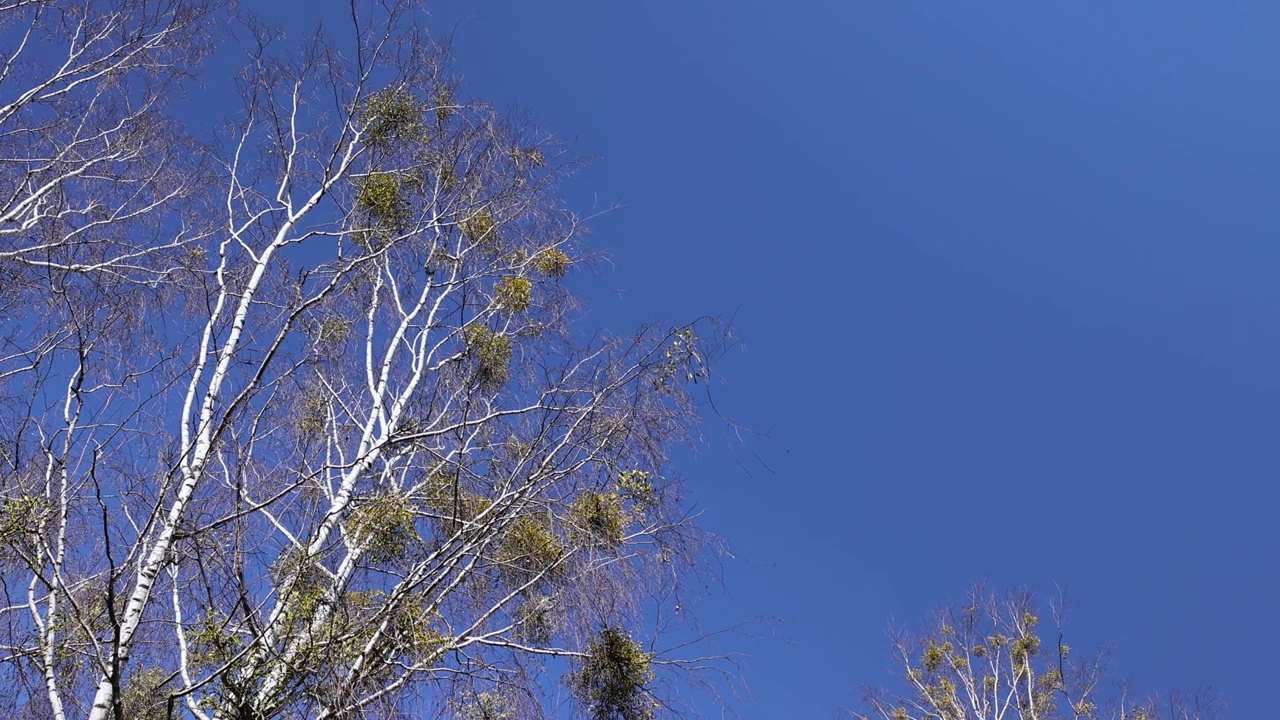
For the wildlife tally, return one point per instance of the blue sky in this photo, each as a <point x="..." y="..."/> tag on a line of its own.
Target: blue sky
<point x="1006" y="275"/>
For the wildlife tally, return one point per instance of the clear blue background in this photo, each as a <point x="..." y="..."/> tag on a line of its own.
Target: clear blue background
<point x="1006" y="272"/>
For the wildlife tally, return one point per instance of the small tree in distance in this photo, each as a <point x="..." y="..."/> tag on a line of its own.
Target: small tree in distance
<point x="1000" y="657"/>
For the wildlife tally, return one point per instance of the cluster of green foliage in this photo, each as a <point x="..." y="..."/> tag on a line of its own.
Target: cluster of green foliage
<point x="381" y="195"/>
<point x="390" y="115"/>
<point x="682" y="358"/>
<point x="334" y="330"/>
<point x="299" y="572"/>
<point x="210" y="641"/>
<point x="311" y="418"/>
<point x="530" y="547"/>
<point x="533" y="619"/>
<point x="491" y="354"/>
<point x="611" y="433"/>
<point x="448" y="176"/>
<point x="528" y="157"/>
<point x="444" y="104"/>
<point x="455" y="506"/>
<point x="420" y="629"/>
<point x="934" y="655"/>
<point x="20" y="516"/>
<point x="487" y="706"/>
<point x="636" y="485"/>
<point x="515" y="294"/>
<point x="515" y="448"/>
<point x="479" y="227"/>
<point x="143" y="696"/>
<point x="600" y="518"/>
<point x="552" y="262"/>
<point x="194" y="258"/>
<point x="610" y="681"/>
<point x="383" y="524"/>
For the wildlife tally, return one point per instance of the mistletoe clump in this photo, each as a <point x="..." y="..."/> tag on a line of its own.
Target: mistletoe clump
<point x="383" y="524"/>
<point x="601" y="518"/>
<point x="390" y="115"/>
<point x="611" y="679"/>
<point x="491" y="354"/>
<point x="552" y="262"/>
<point x="381" y="196"/>
<point x="515" y="294"/>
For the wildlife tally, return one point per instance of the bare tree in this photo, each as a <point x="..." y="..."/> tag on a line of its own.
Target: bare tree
<point x="85" y="143"/>
<point x="318" y="438"/>
<point x="988" y="658"/>
<point x="91" y="168"/>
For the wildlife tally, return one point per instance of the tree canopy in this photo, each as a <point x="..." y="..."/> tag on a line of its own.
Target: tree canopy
<point x="297" y="421"/>
<point x="1004" y="656"/>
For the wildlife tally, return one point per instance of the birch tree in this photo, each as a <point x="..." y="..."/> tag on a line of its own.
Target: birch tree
<point x="1005" y="657"/>
<point x="91" y="167"/>
<point x="86" y="146"/>
<point x="317" y="434"/>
